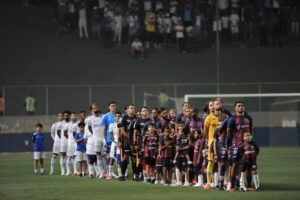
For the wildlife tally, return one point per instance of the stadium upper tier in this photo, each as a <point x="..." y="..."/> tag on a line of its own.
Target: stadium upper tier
<point x="33" y="53"/>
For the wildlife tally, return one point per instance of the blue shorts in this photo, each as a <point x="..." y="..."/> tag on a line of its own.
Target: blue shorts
<point x="159" y="169"/>
<point x="234" y="154"/>
<point x="92" y="159"/>
<point x="222" y="152"/>
<point x="118" y="157"/>
<point x="107" y="150"/>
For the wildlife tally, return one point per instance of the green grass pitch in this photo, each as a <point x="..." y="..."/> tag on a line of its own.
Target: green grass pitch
<point x="279" y="170"/>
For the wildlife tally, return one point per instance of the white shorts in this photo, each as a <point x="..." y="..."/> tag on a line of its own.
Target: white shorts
<point x="63" y="148"/>
<point x="56" y="147"/>
<point x="81" y="156"/>
<point x="71" y="149"/>
<point x="39" y="155"/>
<point x="99" y="146"/>
<point x="113" y="149"/>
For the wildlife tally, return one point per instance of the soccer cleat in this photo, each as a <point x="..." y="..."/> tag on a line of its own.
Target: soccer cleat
<point x="74" y="174"/>
<point x="232" y="190"/>
<point x="259" y="189"/>
<point x="51" y="172"/>
<point x="108" y="177"/>
<point x="176" y="184"/>
<point x="35" y="174"/>
<point x="100" y="176"/>
<point x="80" y="174"/>
<point x="162" y="182"/>
<point x="207" y="186"/>
<point x="115" y="175"/>
<point x="121" y="178"/>
<point x="105" y="174"/>
<point x="186" y="184"/>
<point x="43" y="173"/>
<point x="197" y="185"/>
<point x="243" y="189"/>
<point x="156" y="182"/>
<point x="194" y="181"/>
<point x="67" y="174"/>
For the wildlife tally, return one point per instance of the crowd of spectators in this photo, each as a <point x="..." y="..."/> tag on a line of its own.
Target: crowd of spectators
<point x="183" y="24"/>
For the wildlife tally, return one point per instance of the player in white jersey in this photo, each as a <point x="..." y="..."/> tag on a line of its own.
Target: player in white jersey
<point x="90" y="146"/>
<point x="56" y="144"/>
<point x="72" y="129"/>
<point x="92" y="127"/>
<point x="62" y="130"/>
<point x="114" y="149"/>
<point x="98" y="142"/>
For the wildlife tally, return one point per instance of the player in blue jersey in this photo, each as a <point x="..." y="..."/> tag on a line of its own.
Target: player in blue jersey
<point x="38" y="148"/>
<point x="81" y="156"/>
<point x="108" y="119"/>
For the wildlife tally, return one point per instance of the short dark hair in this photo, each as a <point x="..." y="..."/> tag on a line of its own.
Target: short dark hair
<point x="166" y="127"/>
<point x="111" y="102"/>
<point x="81" y="124"/>
<point x="67" y="111"/>
<point x="39" y="125"/>
<point x="82" y="111"/>
<point x="118" y="112"/>
<point x="238" y="101"/>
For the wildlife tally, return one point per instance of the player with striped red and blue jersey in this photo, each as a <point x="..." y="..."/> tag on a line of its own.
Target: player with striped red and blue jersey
<point x="248" y="153"/>
<point x="166" y="147"/>
<point x="198" y="157"/>
<point x="150" y="144"/>
<point x="238" y="124"/>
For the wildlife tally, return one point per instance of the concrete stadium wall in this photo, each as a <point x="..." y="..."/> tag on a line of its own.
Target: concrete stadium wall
<point x="263" y="136"/>
<point x="270" y="129"/>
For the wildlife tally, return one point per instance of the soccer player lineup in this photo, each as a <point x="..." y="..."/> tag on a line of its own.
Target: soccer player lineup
<point x="213" y="151"/>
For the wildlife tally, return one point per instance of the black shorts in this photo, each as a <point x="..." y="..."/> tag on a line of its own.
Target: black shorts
<point x="150" y="161"/>
<point x="167" y="162"/>
<point x="181" y="164"/>
<point x="184" y="152"/>
<point x="247" y="165"/>
<point x="126" y="148"/>
<point x="159" y="169"/>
